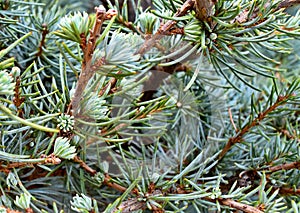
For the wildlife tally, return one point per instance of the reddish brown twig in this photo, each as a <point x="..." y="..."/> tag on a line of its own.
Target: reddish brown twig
<point x="128" y="24"/>
<point x="45" y="31"/>
<point x="18" y="99"/>
<point x="108" y="181"/>
<point x="7" y="168"/>
<point x="111" y="83"/>
<point x="84" y="165"/>
<point x="45" y="159"/>
<point x="86" y="72"/>
<point x="238" y="138"/>
<point x="243" y="16"/>
<point x="166" y="27"/>
<point x="287" y="166"/>
<point x="288" y="3"/>
<point x="239" y="206"/>
<point x="288" y="191"/>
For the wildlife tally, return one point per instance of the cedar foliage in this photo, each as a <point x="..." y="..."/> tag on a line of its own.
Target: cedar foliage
<point x="149" y="106"/>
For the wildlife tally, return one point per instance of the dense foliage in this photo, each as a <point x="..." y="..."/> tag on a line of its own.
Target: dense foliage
<point x="149" y="106"/>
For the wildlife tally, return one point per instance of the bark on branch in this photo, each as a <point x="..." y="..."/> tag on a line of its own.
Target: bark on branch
<point x="288" y="3"/>
<point x="239" y="206"/>
<point x="166" y="27"/>
<point x="287" y="166"/>
<point x="87" y="73"/>
<point x="204" y="9"/>
<point x="261" y="116"/>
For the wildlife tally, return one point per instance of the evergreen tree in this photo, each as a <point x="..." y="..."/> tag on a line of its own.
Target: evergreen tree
<point x="149" y="106"/>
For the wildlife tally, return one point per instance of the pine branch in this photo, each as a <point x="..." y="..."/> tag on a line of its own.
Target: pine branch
<point x="242" y="17"/>
<point x="111" y="84"/>
<point x="289" y="191"/>
<point x="87" y="73"/>
<point x="238" y="138"/>
<point x="128" y="24"/>
<point x="239" y="206"/>
<point x="18" y="100"/>
<point x="45" y="31"/>
<point x="163" y="30"/>
<point x="253" y="175"/>
<point x="134" y="204"/>
<point x="50" y="159"/>
<point x="288" y="3"/>
<point x="84" y="166"/>
<point x="287" y="166"/>
<point x="176" y="175"/>
<point x="7" y="168"/>
<point x="107" y="179"/>
<point x="204" y="9"/>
